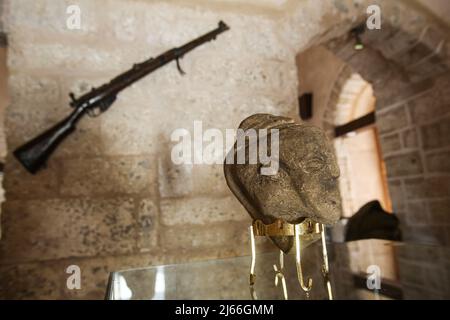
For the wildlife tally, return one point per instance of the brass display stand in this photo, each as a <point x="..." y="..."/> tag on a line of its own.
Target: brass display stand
<point x="306" y="232"/>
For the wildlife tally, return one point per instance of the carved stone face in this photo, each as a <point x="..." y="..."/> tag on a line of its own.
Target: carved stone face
<point x="305" y="185"/>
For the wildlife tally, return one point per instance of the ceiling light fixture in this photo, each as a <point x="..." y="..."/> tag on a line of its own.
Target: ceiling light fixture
<point x="356" y="33"/>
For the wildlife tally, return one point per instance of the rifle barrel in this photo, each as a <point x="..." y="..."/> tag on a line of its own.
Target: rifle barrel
<point x="140" y="70"/>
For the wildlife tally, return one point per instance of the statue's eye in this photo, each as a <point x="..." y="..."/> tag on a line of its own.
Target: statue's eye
<point x="313" y="165"/>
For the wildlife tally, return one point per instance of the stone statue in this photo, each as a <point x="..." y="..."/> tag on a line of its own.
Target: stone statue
<point x="305" y="184"/>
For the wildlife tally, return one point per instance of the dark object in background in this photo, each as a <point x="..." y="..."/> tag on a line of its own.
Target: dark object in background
<point x="35" y="153"/>
<point x="354" y="125"/>
<point x="306" y="106"/>
<point x="372" y="222"/>
<point x="356" y="33"/>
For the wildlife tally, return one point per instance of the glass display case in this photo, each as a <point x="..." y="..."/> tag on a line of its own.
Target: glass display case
<point x="367" y="269"/>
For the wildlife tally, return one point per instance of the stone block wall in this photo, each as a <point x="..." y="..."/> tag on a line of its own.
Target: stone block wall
<point x="415" y="146"/>
<point x="424" y="272"/>
<point x="3" y="99"/>
<point x="421" y="272"/>
<point x="110" y="197"/>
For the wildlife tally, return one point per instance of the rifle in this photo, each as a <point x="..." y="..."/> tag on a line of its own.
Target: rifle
<point x="34" y="154"/>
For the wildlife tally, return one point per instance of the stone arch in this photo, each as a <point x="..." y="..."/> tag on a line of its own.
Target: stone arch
<point x="333" y="20"/>
<point x="351" y="97"/>
<point x="329" y="117"/>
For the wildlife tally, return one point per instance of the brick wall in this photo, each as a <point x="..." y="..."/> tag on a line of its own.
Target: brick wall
<point x="417" y="167"/>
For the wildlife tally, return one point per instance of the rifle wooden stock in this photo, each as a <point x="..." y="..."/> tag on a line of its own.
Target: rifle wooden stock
<point x="33" y="154"/>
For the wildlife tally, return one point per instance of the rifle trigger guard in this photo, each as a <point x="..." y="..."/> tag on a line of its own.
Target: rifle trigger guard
<point x="179" y="67"/>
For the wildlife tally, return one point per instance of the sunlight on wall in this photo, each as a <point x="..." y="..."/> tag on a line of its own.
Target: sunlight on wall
<point x="359" y="156"/>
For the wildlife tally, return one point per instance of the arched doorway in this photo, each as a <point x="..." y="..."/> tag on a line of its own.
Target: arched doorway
<point x="363" y="175"/>
<point x="407" y="75"/>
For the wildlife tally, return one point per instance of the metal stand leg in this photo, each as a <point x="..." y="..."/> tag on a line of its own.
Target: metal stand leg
<point x="252" y="279"/>
<point x="308" y="231"/>
<point x="279" y="275"/>
<point x="325" y="266"/>
<point x="298" y="262"/>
